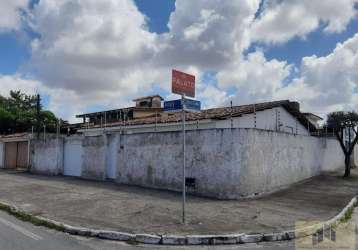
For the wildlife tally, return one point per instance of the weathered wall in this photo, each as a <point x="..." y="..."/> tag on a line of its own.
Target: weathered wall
<point x="2" y="154"/>
<point x="355" y="157"/>
<point x="47" y="156"/>
<point x="273" y="161"/>
<point x="94" y="157"/>
<point x="333" y="157"/>
<point x="227" y="163"/>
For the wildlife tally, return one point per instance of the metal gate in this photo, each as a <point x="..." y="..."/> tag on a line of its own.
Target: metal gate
<point x="16" y="155"/>
<point x="73" y="158"/>
<point x="111" y="167"/>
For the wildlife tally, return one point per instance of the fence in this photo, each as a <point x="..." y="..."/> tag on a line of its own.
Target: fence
<point x="221" y="163"/>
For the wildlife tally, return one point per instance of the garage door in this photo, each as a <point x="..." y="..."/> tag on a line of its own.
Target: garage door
<point x="16" y="155"/>
<point x="22" y="154"/>
<point x="10" y="154"/>
<point x="73" y="158"/>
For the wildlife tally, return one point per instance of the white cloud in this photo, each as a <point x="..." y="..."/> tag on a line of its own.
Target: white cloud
<point x="254" y="78"/>
<point x="101" y="53"/>
<point x="10" y="14"/>
<point x="327" y="83"/>
<point x="17" y="82"/>
<point x="280" y="21"/>
<point x="207" y="34"/>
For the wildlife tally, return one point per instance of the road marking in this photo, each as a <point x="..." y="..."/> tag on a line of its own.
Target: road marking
<point x="20" y="229"/>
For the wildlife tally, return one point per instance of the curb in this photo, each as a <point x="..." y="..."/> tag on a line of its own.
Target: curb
<point x="180" y="239"/>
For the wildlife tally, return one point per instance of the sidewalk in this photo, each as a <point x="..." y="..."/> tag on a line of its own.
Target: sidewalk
<point x="101" y="205"/>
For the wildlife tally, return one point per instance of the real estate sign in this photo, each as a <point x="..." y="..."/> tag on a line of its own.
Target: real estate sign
<point x="183" y="83"/>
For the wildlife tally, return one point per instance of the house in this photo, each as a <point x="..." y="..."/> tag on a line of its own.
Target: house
<point x="148" y="116"/>
<point x="145" y="107"/>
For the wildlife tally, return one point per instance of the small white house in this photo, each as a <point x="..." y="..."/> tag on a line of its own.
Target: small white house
<point x="281" y="116"/>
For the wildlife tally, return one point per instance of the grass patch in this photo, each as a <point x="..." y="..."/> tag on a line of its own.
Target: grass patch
<point x="30" y="218"/>
<point x="348" y="215"/>
<point x="132" y="242"/>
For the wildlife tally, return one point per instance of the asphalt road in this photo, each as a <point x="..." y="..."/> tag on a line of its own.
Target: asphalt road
<point x="18" y="235"/>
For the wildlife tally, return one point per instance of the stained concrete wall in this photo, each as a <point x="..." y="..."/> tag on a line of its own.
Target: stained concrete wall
<point x="333" y="157"/>
<point x="47" y="156"/>
<point x="355" y="157"/>
<point x="2" y="152"/>
<point x="226" y="163"/>
<point x="94" y="157"/>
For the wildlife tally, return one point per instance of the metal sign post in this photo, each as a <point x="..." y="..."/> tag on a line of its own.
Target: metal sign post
<point x="184" y="184"/>
<point x="183" y="84"/>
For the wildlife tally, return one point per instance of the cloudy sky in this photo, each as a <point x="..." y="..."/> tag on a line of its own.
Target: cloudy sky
<point x="87" y="55"/>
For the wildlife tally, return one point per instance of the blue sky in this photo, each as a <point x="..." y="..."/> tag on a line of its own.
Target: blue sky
<point x="15" y="52"/>
<point x="265" y="65"/>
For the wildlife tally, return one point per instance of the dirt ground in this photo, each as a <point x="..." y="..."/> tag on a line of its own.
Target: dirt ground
<point x="104" y="205"/>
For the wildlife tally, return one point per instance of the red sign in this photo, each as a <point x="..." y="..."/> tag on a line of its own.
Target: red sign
<point x="183" y="84"/>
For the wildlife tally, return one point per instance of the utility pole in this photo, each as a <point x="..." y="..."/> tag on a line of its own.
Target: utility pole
<point x="184" y="159"/>
<point x="38" y="118"/>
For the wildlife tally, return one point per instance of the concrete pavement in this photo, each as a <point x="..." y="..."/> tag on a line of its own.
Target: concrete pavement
<point x="101" y="205"/>
<point x="65" y="199"/>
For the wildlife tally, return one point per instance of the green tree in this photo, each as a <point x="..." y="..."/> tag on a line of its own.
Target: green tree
<point x="18" y="113"/>
<point x="344" y="125"/>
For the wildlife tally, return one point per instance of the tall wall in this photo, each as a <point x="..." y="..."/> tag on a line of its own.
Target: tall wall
<point x="226" y="163"/>
<point x="59" y="156"/>
<point x="2" y="149"/>
<point x="47" y="156"/>
<point x="94" y="157"/>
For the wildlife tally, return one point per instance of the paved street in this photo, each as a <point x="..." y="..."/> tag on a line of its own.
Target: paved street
<point x="111" y="206"/>
<point x="102" y="205"/>
<point x="17" y="235"/>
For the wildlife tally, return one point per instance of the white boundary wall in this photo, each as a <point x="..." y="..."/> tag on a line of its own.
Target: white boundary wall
<point x="226" y="163"/>
<point x="2" y="153"/>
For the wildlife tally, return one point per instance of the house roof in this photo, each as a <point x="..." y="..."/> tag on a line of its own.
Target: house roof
<point x="125" y="110"/>
<point x="148" y="97"/>
<point x="313" y="116"/>
<point x="16" y="136"/>
<point x="220" y="114"/>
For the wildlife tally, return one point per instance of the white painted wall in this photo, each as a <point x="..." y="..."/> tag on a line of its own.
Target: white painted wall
<point x="333" y="157"/>
<point x="47" y="156"/>
<point x="355" y="156"/>
<point x="268" y="119"/>
<point x="2" y="152"/>
<point x="227" y="163"/>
